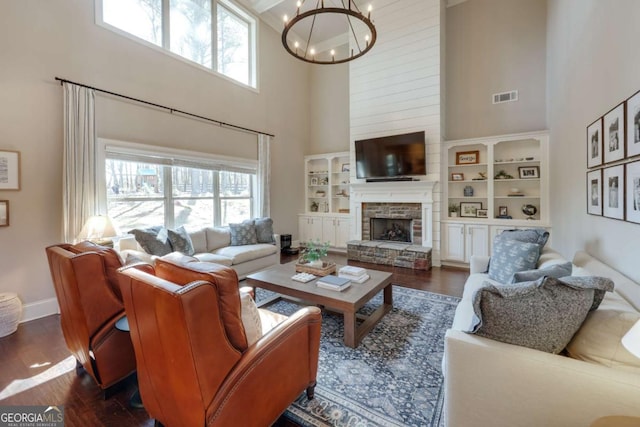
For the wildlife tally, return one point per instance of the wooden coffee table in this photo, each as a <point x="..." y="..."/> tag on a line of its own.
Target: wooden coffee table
<point x="347" y="302"/>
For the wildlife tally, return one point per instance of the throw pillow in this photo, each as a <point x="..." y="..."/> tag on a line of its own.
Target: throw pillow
<point x="542" y="315"/>
<point x="250" y="318"/>
<point x="531" y="235"/>
<point x="154" y="240"/>
<point x="243" y="233"/>
<point x="557" y="271"/>
<point x="180" y="241"/>
<point x="264" y="230"/>
<point x="511" y="256"/>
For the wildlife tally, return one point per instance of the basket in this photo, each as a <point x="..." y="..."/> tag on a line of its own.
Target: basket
<point x="326" y="269"/>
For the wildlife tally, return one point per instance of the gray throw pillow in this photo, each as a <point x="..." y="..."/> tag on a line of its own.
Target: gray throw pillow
<point x="264" y="230"/>
<point x="556" y="271"/>
<point x="511" y="256"/>
<point x="180" y="241"/>
<point x="530" y="235"/>
<point x="243" y="233"/>
<point x="543" y="315"/>
<point x="154" y="240"/>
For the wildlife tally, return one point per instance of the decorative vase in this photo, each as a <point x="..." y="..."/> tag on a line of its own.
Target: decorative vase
<point x="316" y="264"/>
<point x="468" y="191"/>
<point x="10" y="313"/>
<point x="453" y="214"/>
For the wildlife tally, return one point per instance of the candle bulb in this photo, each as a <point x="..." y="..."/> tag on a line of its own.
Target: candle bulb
<point x="296" y="45"/>
<point x="333" y="55"/>
<point x="369" y="14"/>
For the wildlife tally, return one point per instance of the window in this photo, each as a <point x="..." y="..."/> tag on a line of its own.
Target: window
<point x="145" y="191"/>
<point x="215" y="34"/>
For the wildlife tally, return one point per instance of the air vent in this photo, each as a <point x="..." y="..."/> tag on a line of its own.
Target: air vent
<point x="499" y="98"/>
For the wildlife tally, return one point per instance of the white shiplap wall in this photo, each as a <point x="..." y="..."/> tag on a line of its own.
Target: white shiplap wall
<point x="395" y="88"/>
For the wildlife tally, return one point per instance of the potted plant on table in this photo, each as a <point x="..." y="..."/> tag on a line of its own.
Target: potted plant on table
<point x="314" y="252"/>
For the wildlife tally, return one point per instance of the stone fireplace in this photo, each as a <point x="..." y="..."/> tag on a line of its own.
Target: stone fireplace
<point x="385" y="210"/>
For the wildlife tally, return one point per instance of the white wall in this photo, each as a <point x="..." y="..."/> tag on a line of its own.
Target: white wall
<point x="329" y="105"/>
<point x="494" y="46"/>
<point x="40" y="40"/>
<point x="592" y="66"/>
<point x="395" y="88"/>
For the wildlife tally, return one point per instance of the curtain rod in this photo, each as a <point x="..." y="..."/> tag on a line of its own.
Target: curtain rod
<point x="171" y="110"/>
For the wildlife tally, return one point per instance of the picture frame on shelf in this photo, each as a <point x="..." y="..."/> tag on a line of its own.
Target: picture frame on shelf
<point x="470" y="209"/>
<point x="633" y="125"/>
<point x="9" y="170"/>
<point x="632" y="185"/>
<point x="594" y="192"/>
<point x="468" y="157"/>
<point x="4" y="213"/>
<point x="613" y="135"/>
<point x="613" y="192"/>
<point x="594" y="144"/>
<point x="314" y="180"/>
<point x="455" y="176"/>
<point x="529" y="172"/>
<point x="503" y="211"/>
<point x="482" y="213"/>
<point x="346" y="167"/>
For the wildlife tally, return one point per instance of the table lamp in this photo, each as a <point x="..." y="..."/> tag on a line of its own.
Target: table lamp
<point x="631" y="340"/>
<point x="98" y="229"/>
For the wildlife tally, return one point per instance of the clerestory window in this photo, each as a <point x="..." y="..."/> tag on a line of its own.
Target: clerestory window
<point x="215" y="34"/>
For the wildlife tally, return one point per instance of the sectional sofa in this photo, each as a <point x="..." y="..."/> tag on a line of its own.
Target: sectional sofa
<point x="492" y="383"/>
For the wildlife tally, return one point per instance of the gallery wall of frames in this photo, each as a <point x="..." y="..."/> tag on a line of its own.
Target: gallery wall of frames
<point x="613" y="162"/>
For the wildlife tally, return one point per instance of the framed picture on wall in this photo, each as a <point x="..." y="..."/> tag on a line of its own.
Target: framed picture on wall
<point x="613" y="192"/>
<point x="632" y="185"/>
<point x="4" y="213"/>
<point x="594" y="144"/>
<point x="633" y="125"/>
<point x="613" y="141"/>
<point x="9" y="170"/>
<point x="594" y="192"/>
<point x="467" y="157"/>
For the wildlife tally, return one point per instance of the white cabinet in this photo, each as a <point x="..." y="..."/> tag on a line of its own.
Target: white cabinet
<point x="461" y="241"/>
<point x="333" y="229"/>
<point x="310" y="228"/>
<point x="336" y="230"/>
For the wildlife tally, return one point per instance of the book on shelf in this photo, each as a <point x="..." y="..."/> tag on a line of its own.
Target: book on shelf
<point x="333" y="282"/>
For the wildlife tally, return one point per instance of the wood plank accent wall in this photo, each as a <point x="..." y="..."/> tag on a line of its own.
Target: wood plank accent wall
<point x="396" y="88"/>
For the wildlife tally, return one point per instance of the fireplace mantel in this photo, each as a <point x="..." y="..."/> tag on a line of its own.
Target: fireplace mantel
<point x="394" y="192"/>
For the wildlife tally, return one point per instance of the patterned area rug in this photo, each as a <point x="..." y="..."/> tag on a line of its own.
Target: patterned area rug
<point x="393" y="378"/>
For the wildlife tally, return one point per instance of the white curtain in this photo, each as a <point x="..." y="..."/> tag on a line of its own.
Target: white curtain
<point x="264" y="175"/>
<point x="79" y="159"/>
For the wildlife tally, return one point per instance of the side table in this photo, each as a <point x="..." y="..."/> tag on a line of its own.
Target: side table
<point x="135" y="401"/>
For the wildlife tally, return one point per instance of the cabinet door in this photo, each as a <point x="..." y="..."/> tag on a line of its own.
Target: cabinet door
<point x="303" y="229"/>
<point x="314" y="229"/>
<point x="343" y="229"/>
<point x="329" y="231"/>
<point x="454" y="242"/>
<point x="477" y="240"/>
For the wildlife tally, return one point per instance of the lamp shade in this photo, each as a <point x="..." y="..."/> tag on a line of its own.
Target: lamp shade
<point x="631" y="340"/>
<point x="97" y="227"/>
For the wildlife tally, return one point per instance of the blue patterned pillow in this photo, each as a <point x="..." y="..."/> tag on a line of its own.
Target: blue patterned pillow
<point x="154" y="240"/>
<point x="556" y="271"/>
<point x="243" y="233"/>
<point x="511" y="256"/>
<point x="531" y="235"/>
<point x="264" y="230"/>
<point x="180" y="241"/>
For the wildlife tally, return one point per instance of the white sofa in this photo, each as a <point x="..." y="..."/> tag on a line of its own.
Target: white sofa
<point x="490" y="383"/>
<point x="213" y="244"/>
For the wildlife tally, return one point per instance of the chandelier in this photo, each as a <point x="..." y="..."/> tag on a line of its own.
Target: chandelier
<point x="324" y="21"/>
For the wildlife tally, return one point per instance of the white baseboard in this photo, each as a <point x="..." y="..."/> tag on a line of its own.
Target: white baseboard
<point x="38" y="309"/>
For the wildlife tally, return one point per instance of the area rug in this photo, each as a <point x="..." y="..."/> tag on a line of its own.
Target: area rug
<point x="393" y="378"/>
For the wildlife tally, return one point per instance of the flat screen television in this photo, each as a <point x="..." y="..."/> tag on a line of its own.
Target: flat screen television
<point x="391" y="157"/>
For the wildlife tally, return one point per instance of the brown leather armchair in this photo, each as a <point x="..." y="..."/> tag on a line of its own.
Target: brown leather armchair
<point x="194" y="365"/>
<point x="85" y="281"/>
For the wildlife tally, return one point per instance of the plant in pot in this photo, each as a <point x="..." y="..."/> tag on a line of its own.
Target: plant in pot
<point x="453" y="210"/>
<point x="314" y="252"/>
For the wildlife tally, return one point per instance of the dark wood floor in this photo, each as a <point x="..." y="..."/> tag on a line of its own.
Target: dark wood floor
<point x="36" y="368"/>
